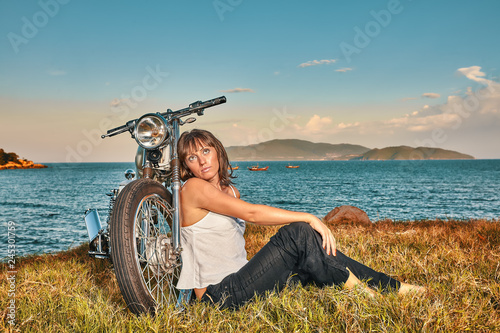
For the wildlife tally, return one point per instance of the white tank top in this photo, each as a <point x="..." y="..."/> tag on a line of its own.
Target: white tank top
<point x="212" y="248"/>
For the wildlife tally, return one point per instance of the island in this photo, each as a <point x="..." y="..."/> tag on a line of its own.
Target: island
<point x="293" y="150"/>
<point x="297" y="150"/>
<point x="12" y="161"/>
<point x="410" y="153"/>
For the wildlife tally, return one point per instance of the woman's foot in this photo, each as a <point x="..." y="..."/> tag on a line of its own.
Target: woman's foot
<point x="406" y="288"/>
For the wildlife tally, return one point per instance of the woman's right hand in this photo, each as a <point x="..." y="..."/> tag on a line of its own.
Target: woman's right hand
<point x="329" y="243"/>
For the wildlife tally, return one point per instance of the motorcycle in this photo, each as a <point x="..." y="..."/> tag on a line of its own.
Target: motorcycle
<point x="142" y="233"/>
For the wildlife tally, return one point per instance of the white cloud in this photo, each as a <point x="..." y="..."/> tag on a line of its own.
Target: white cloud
<point x="317" y="124"/>
<point x="348" y="125"/>
<point x="317" y="62"/>
<point x="422" y="124"/>
<point x="430" y="95"/>
<point x="474" y="73"/>
<point x="238" y="90"/>
<point x="343" y="70"/>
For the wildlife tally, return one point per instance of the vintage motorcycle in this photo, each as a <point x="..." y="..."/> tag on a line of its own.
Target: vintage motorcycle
<point x="142" y="234"/>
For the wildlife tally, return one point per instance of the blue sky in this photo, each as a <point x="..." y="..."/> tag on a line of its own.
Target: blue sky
<point x="375" y="73"/>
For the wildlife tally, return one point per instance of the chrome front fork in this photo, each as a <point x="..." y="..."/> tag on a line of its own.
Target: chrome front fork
<point x="176" y="188"/>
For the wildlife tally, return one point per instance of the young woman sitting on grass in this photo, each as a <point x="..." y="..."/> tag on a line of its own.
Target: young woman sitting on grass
<point x="214" y="259"/>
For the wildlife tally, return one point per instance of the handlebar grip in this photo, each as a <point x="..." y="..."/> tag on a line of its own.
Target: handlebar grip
<point x="207" y="104"/>
<point x="217" y="101"/>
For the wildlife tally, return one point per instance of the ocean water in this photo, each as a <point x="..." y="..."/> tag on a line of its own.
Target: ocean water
<point x="47" y="206"/>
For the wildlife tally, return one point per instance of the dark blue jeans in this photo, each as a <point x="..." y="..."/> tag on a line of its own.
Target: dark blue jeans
<point x="294" y="254"/>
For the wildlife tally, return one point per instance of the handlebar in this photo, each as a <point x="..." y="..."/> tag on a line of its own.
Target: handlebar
<point x="195" y="107"/>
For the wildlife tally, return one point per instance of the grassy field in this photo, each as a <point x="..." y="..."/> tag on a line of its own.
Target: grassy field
<point x="458" y="261"/>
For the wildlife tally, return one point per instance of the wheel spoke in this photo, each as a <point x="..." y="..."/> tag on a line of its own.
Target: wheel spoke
<point x="159" y="266"/>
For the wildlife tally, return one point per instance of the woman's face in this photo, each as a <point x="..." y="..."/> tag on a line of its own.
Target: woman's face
<point x="204" y="163"/>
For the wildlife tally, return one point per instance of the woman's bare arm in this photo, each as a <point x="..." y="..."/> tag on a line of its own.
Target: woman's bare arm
<point x="200" y="194"/>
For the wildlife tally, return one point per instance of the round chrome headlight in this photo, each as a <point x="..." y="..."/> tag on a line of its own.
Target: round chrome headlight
<point x="151" y="131"/>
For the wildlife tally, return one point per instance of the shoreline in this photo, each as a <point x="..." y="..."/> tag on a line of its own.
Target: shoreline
<point x="23" y="165"/>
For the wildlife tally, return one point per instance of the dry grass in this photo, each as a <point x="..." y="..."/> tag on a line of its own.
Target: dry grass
<point x="458" y="261"/>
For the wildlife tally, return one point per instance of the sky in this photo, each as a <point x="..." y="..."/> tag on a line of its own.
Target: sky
<point x="373" y="73"/>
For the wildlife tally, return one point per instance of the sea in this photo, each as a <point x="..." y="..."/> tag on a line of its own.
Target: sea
<point x="42" y="210"/>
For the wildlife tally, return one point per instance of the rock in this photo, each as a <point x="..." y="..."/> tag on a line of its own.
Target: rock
<point x="22" y="164"/>
<point x="347" y="214"/>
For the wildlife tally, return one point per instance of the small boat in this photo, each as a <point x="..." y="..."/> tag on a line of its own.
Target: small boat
<point x="233" y="167"/>
<point x="291" y="166"/>
<point x="257" y="168"/>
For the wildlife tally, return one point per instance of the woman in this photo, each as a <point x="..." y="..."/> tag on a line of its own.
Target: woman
<point x="213" y="222"/>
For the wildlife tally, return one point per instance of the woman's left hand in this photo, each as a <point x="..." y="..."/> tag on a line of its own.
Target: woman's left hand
<point x="329" y="243"/>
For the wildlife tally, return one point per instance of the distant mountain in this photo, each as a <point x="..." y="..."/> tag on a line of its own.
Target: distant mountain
<point x="293" y="149"/>
<point x="410" y="153"/>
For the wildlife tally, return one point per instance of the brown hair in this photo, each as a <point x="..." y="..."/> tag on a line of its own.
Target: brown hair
<point x="189" y="141"/>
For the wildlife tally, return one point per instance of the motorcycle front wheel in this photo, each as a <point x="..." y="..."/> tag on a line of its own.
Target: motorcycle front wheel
<point x="145" y="264"/>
